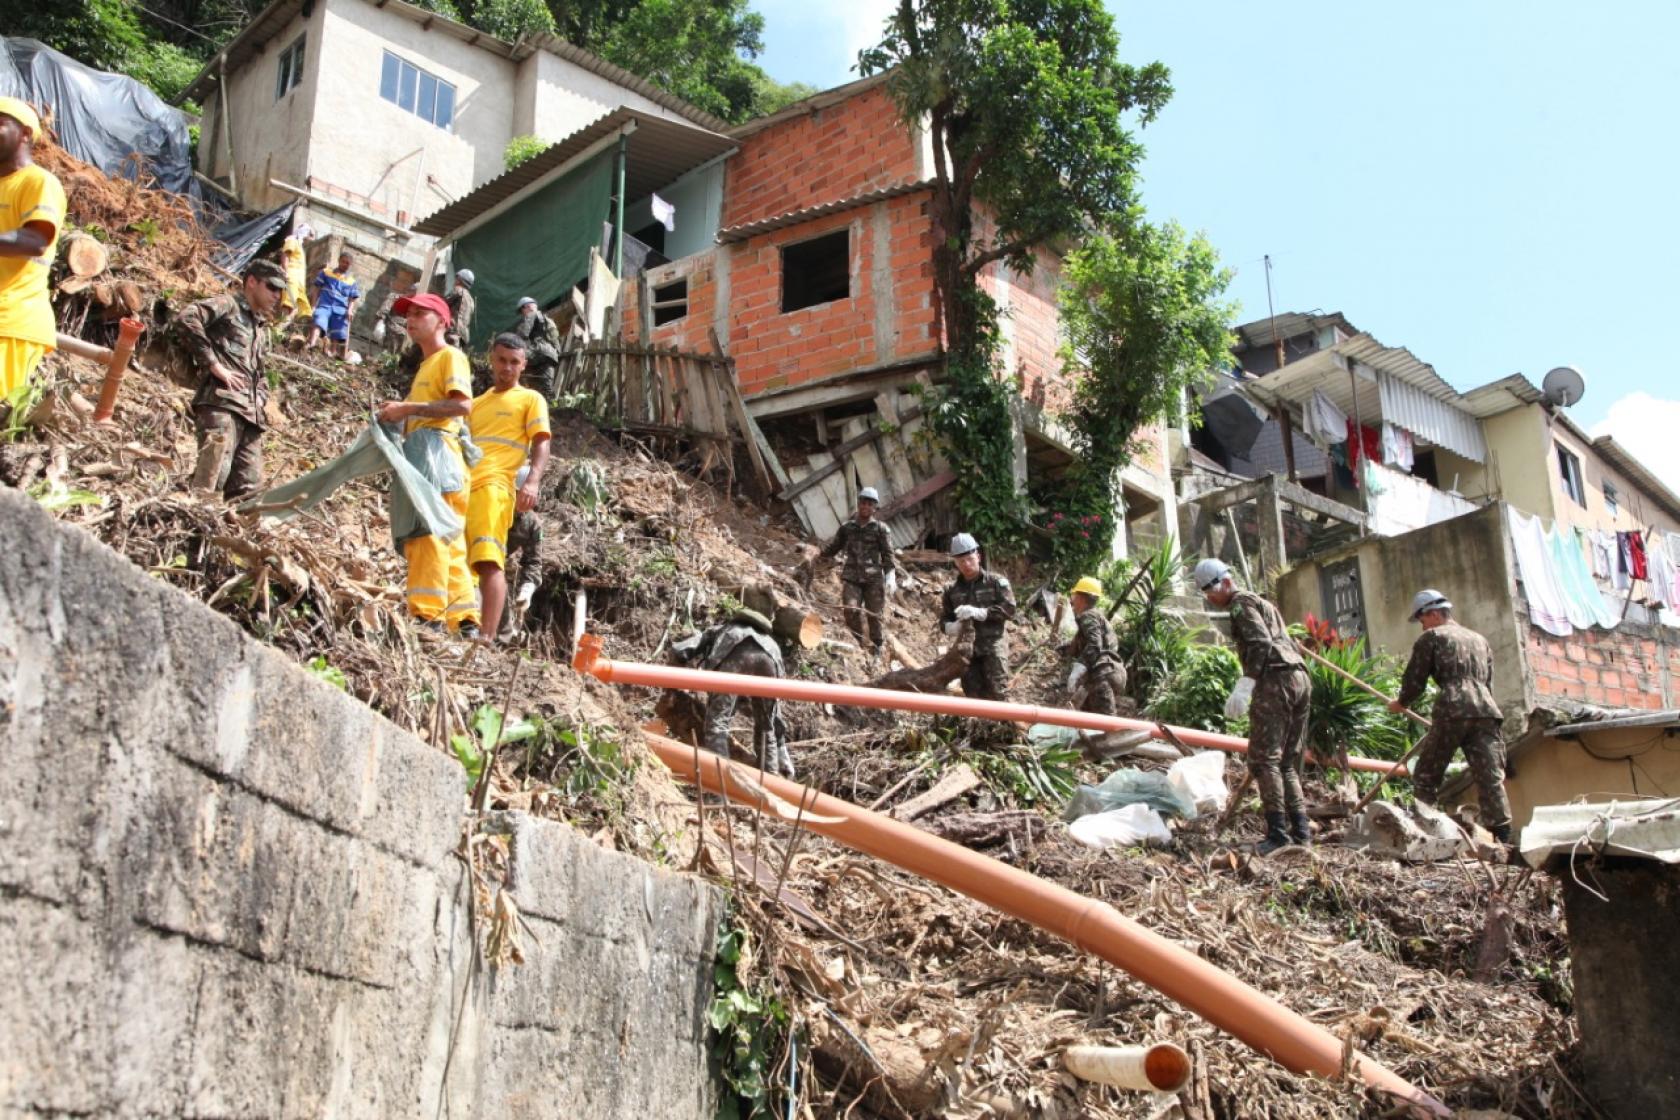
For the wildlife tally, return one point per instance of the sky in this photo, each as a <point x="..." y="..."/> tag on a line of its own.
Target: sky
<point x="1492" y="185"/>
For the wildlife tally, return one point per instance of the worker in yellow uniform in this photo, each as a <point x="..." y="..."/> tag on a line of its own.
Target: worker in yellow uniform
<point x="296" y="299"/>
<point x="440" y="590"/>
<point x="510" y="424"/>
<point x="32" y="206"/>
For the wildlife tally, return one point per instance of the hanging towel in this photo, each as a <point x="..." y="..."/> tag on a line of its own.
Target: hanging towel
<point x="1583" y="601"/>
<point x="665" y="214"/>
<point x="1546" y="607"/>
<point x="1397" y="447"/>
<point x="1604" y="555"/>
<point x="1638" y="567"/>
<point x="1364" y="444"/>
<point x="1322" y="421"/>
<point x="1664" y="580"/>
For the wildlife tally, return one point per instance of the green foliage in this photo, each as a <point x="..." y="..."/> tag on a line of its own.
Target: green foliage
<point x="473" y="749"/>
<point x="771" y="96"/>
<point x="522" y="149"/>
<point x="1152" y="638"/>
<point x="588" y="761"/>
<point x="1032" y="775"/>
<point x="1343" y="715"/>
<point x="749" y="1027"/>
<point x="325" y="670"/>
<point x="511" y="19"/>
<point x="699" y="50"/>
<point x="1194" y="693"/>
<point x="163" y="66"/>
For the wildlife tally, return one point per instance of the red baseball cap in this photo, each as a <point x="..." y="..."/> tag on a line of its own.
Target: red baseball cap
<point x="428" y="302"/>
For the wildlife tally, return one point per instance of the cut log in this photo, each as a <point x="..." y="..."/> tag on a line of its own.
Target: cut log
<point x="130" y="296"/>
<point x="84" y="256"/>
<point x="935" y="676"/>
<point x="797" y="626"/>
<point x="952" y="784"/>
<point x="900" y="654"/>
<point x="984" y="830"/>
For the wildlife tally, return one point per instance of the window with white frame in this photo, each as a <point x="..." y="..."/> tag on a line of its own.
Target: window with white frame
<point x="410" y="88"/>
<point x="1569" y="469"/>
<point x="1611" y="503"/>
<point x="290" y="72"/>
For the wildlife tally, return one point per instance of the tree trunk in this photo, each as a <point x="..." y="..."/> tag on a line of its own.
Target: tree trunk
<point x="935" y="676"/>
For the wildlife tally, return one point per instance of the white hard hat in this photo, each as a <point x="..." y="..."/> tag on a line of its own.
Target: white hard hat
<point x="526" y="302"/>
<point x="1209" y="572"/>
<point x="1429" y="600"/>
<point x="868" y="494"/>
<point x="962" y="544"/>
<point x="465" y="275"/>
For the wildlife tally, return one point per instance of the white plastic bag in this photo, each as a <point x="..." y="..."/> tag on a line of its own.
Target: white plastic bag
<point x="1122" y="827"/>
<point x="1200" y="779"/>
<point x="1236" y="704"/>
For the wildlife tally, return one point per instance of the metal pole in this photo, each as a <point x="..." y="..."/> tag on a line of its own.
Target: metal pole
<point x="618" y="219"/>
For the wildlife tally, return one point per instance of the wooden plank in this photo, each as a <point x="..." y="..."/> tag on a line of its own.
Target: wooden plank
<point x="841" y="453"/>
<point x="726" y="374"/>
<point x="866" y="460"/>
<point x="837" y="489"/>
<point x="813" y="508"/>
<point x="922" y="492"/>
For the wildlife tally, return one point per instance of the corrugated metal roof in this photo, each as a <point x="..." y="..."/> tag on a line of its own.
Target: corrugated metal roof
<point x="1288" y="325"/>
<point x="1501" y="396"/>
<point x="805" y="214"/>
<point x="1669" y="717"/>
<point x="660" y="152"/>
<point x="1441" y="422"/>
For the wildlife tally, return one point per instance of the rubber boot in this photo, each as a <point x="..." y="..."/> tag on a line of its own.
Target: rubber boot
<point x="1277" y="834"/>
<point x="1502" y="833"/>
<point x="1300" y="828"/>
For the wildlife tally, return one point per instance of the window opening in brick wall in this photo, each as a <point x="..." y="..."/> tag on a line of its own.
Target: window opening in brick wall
<point x="290" y="71"/>
<point x="412" y="89"/>
<point x="670" y="302"/>
<point x="1569" y="468"/>
<point x="817" y="271"/>
<point x="1610" y="498"/>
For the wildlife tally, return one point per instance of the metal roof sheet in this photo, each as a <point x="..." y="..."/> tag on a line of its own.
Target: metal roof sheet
<point x="1290" y="324"/>
<point x="1669" y="717"/>
<point x="807" y="213"/>
<point x="660" y="151"/>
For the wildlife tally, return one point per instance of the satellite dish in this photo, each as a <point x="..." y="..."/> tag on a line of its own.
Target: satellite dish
<point x="1564" y="386"/>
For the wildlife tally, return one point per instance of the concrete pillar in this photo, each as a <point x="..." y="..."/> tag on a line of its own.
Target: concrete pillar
<point x="1018" y="442"/>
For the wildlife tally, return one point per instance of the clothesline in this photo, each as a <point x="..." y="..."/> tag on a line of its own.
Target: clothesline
<point x="1561" y="583"/>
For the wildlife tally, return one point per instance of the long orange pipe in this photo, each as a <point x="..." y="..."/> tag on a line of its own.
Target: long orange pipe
<point x="588" y="659"/>
<point x="1092" y="925"/>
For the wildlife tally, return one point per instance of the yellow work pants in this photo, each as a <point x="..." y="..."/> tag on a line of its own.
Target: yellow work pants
<point x="18" y="360"/>
<point x="440" y="585"/>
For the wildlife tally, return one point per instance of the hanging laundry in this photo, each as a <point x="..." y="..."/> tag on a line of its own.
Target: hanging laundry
<point x="1365" y="444"/>
<point x="1397" y="447"/>
<point x="1323" y="422"/>
<point x="665" y="214"/>
<point x="1583" y="601"/>
<point x="1638" y="568"/>
<point x="1664" y="580"/>
<point x="1546" y="606"/>
<point x="1604" y="564"/>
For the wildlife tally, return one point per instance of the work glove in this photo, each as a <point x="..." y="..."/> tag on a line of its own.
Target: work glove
<point x="966" y="613"/>
<point x="892" y="583"/>
<point x="1075" y="675"/>
<point x="1236" y="704"/>
<point x="953" y="628"/>
<point x="527" y="591"/>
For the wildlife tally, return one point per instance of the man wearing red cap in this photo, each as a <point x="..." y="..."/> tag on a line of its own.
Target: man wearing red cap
<point x="32" y="206"/>
<point x="440" y="586"/>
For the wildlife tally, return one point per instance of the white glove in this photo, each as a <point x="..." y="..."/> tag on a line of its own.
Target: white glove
<point x="1236" y="704"/>
<point x="952" y="628"/>
<point x="892" y="583"/>
<point x="971" y="614"/>
<point x="1075" y="675"/>
<point x="527" y="591"/>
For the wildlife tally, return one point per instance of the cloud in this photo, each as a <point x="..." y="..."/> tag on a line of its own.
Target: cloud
<point x="1648" y="427"/>
<point x="862" y="20"/>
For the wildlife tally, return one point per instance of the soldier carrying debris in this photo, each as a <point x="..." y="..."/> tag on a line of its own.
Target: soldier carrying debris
<point x="743" y="644"/>
<point x="1275" y="676"/>
<point x="870" y="572"/>
<point x="226" y="341"/>
<point x="986" y="600"/>
<point x="1465" y="713"/>
<point x="1098" y="678"/>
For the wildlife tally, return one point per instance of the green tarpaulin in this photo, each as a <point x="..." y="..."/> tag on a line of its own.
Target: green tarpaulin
<point x="539" y="248"/>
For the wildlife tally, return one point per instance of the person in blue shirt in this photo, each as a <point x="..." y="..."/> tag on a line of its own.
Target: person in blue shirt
<point x="336" y="296"/>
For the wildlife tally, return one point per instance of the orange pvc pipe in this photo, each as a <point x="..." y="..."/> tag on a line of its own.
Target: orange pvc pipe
<point x="588" y="659"/>
<point x="128" y="333"/>
<point x="1094" y="926"/>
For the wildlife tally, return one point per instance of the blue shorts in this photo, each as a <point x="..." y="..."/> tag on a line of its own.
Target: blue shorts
<point x="333" y="321"/>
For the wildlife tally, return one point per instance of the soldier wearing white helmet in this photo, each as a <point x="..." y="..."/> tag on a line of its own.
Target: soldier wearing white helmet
<point x="1465" y="715"/>
<point x="870" y="572"/>
<point x="1275" y="676"/>
<point x="986" y="601"/>
<point x="461" y="304"/>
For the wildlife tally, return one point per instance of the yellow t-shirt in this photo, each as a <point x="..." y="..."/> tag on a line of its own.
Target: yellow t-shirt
<point x="503" y="425"/>
<point x="29" y="194"/>
<point x="445" y="372"/>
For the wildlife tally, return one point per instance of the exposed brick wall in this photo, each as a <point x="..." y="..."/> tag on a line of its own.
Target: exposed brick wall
<point x="1030" y="326"/>
<point x="845" y="150"/>
<point x="1628" y="667"/>
<point x="775" y="349"/>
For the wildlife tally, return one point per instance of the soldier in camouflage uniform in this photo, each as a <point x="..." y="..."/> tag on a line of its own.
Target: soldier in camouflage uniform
<point x="542" y="346"/>
<point x="743" y="644"/>
<point x="524" y="556"/>
<point x="870" y="572"/>
<point x="1275" y="675"/>
<point x="226" y="339"/>
<point x="1465" y="714"/>
<point x="1097" y="679"/>
<point x="461" y="305"/>
<point x="985" y="600"/>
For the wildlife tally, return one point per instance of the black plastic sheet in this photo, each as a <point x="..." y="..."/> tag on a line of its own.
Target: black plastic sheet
<point x="108" y="120"/>
<point x="242" y="240"/>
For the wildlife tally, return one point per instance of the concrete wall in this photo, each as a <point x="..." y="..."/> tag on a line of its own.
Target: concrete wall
<point x="228" y="889"/>
<point x="1467" y="558"/>
<point x="270" y="138"/>
<point x="553" y="98"/>
<point x="1598" y="766"/>
<point x="1520" y="459"/>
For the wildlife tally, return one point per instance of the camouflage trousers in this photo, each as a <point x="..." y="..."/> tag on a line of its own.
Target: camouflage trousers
<point x="769" y="730"/>
<point x="865" y="604"/>
<point x="1277" y="736"/>
<point x="540" y="377"/>
<point x="1484" y="750"/>
<point x="986" y="678"/>
<point x="1103" y="690"/>
<point x="230" y="457"/>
